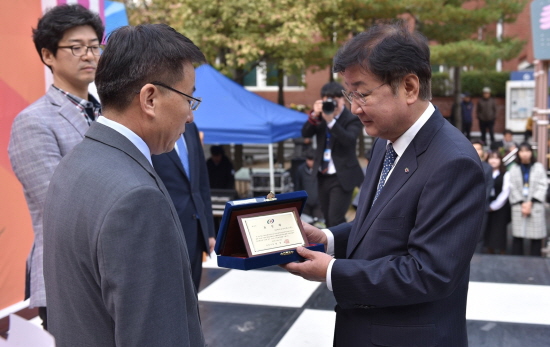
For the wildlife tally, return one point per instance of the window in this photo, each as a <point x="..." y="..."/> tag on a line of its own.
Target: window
<point x="264" y="77"/>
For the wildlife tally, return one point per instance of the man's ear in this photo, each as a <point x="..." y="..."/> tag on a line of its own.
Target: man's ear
<point x="47" y="56"/>
<point x="148" y="99"/>
<point x="412" y="88"/>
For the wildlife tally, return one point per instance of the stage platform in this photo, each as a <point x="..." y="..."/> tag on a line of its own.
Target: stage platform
<point x="508" y="306"/>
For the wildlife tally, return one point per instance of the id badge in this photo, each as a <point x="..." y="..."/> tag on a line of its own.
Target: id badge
<point x="525" y="190"/>
<point x="326" y="155"/>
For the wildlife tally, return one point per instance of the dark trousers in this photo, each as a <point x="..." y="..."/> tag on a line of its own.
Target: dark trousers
<point x="466" y="129"/>
<point x="484" y="126"/>
<point x="334" y="200"/>
<point x="535" y="246"/>
<point x="313" y="210"/>
<point x="43" y="314"/>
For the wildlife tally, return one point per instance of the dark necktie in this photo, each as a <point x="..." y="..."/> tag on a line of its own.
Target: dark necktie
<point x="389" y="159"/>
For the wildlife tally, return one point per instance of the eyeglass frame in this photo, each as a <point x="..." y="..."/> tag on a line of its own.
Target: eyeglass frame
<point x="88" y="48"/>
<point x="360" y="97"/>
<point x="197" y="100"/>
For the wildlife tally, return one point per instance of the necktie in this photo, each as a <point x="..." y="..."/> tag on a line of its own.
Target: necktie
<point x="182" y="151"/>
<point x="389" y="159"/>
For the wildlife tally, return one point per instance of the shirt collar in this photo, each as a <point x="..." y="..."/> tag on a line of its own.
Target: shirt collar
<point x="129" y="134"/>
<point x="401" y="144"/>
<point x="78" y="100"/>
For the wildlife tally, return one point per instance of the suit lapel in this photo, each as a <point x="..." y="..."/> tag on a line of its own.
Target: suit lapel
<point x="173" y="155"/>
<point x="368" y="190"/>
<point x="405" y="169"/>
<point x="68" y="110"/>
<point x="192" y="151"/>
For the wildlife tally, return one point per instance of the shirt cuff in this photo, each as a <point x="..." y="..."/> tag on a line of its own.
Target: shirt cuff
<point x="330" y="241"/>
<point x="329" y="274"/>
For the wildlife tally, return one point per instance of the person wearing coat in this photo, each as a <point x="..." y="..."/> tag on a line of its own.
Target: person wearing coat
<point x="528" y="185"/>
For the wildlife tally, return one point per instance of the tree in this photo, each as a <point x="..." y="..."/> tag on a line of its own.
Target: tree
<point x="461" y="36"/>
<point x="338" y="20"/>
<point x="238" y="35"/>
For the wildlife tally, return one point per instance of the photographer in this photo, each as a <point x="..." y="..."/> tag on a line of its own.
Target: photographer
<point x="336" y="163"/>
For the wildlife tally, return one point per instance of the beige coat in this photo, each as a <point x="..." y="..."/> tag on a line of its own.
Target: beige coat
<point x="534" y="226"/>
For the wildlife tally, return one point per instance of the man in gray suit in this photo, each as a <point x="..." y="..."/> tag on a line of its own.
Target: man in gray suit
<point x="116" y="264"/>
<point x="67" y="39"/>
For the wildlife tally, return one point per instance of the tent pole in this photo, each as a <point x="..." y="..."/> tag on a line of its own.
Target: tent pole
<point x="271" y="169"/>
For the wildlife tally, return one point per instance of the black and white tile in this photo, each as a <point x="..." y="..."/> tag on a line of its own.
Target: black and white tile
<point x="508" y="305"/>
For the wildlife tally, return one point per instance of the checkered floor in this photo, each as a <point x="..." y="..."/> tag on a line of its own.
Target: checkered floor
<point x="508" y="306"/>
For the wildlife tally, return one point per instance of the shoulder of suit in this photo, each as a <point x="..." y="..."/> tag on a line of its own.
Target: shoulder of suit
<point x="37" y="112"/>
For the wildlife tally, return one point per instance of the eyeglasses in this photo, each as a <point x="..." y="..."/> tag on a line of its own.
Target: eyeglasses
<point x="79" y="51"/>
<point x="359" y="97"/>
<point x="193" y="103"/>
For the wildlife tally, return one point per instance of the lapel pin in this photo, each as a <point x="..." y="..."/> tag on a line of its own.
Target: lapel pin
<point x="406" y="170"/>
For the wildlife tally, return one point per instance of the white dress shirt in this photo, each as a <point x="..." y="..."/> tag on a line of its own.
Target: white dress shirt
<point x="129" y="134"/>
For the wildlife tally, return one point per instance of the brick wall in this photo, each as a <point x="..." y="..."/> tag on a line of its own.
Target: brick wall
<point x="445" y="103"/>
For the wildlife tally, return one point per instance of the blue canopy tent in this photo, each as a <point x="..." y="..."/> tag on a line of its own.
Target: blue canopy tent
<point x="231" y="114"/>
<point x="115" y="16"/>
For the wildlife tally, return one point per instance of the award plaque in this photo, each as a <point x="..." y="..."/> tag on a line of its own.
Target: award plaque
<point x="262" y="231"/>
<point x="273" y="231"/>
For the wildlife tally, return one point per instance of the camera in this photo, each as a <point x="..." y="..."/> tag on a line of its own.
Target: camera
<point x="329" y="105"/>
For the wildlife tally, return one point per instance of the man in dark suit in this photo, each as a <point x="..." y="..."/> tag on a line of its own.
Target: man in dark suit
<point x="336" y="163"/>
<point x="116" y="265"/>
<point x="183" y="172"/>
<point x="401" y="268"/>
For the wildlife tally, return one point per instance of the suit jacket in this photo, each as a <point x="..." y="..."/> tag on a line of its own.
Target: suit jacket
<point x="344" y="135"/>
<point x="191" y="198"/>
<point x="115" y="257"/>
<point x="41" y="135"/>
<point x="402" y="268"/>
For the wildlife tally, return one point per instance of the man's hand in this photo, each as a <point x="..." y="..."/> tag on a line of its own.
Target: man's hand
<point x="211" y="244"/>
<point x="314" y="235"/>
<point x="318" y="107"/>
<point x="526" y="208"/>
<point x="314" y="268"/>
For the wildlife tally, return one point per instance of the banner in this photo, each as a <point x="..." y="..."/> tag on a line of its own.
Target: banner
<point x="23" y="79"/>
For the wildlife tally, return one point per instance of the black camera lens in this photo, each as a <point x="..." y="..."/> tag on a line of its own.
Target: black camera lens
<point x="329" y="105"/>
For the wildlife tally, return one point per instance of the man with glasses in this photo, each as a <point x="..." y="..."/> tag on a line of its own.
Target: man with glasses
<point x="116" y="263"/>
<point x="336" y="163"/>
<point x="400" y="270"/>
<point x="67" y="39"/>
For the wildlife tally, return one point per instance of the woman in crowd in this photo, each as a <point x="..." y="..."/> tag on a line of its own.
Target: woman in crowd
<point x="499" y="208"/>
<point x="528" y="184"/>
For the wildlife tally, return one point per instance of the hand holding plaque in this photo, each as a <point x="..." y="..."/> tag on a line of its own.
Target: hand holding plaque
<point x="273" y="231"/>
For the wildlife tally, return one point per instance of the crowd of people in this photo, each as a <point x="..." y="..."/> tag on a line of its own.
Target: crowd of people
<point x="119" y="193"/>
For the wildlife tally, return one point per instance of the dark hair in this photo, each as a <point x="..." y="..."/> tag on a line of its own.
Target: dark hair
<point x="309" y="154"/>
<point x="527" y="146"/>
<point x="390" y="52"/>
<point x="496" y="154"/>
<point x="135" y="56"/>
<point x="508" y="131"/>
<point x="478" y="142"/>
<point x="332" y="90"/>
<point x="217" y="150"/>
<point x="53" y="25"/>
